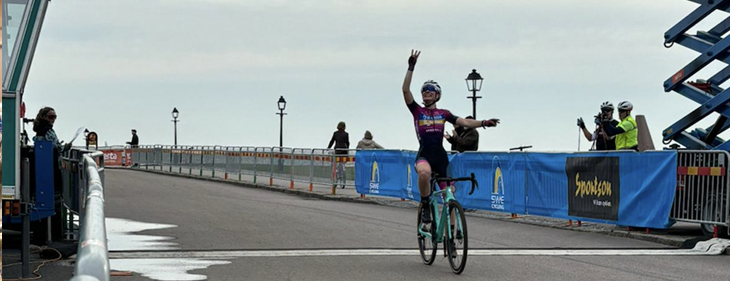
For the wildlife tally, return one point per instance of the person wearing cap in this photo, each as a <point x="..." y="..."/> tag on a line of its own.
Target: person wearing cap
<point x="627" y="134"/>
<point x="135" y="139"/>
<point x="601" y="142"/>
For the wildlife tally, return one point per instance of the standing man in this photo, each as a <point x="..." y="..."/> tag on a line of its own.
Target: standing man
<point x="601" y="142"/>
<point x="135" y="140"/>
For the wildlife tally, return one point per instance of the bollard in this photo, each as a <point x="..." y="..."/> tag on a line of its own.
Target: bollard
<point x="225" y="176"/>
<point x="715" y="231"/>
<point x="570" y="222"/>
<point x="271" y="181"/>
<point x="311" y="187"/>
<point x="580" y="223"/>
<point x="334" y="188"/>
<point x="514" y="216"/>
<point x="291" y="185"/>
<point x="362" y="195"/>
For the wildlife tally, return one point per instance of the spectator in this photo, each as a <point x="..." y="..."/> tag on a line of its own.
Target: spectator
<point x="464" y="139"/>
<point x="367" y="142"/>
<point x="43" y="127"/>
<point x="600" y="140"/>
<point x="135" y="140"/>
<point x="341" y="140"/>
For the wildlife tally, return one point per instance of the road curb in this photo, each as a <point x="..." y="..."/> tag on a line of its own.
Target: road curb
<point x="537" y="221"/>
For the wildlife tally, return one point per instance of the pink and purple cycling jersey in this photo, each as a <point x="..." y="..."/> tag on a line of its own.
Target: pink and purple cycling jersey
<point x="430" y="124"/>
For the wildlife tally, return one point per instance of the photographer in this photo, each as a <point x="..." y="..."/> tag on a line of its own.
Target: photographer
<point x="627" y="135"/>
<point x="601" y="140"/>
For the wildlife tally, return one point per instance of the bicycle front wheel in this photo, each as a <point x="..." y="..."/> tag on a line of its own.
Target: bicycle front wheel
<point x="426" y="242"/>
<point x="457" y="240"/>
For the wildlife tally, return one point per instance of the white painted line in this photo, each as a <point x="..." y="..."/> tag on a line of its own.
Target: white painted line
<point x="707" y="248"/>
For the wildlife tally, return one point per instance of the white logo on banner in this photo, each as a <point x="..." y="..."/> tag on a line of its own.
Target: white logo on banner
<point x="409" y="185"/>
<point x="375" y="179"/>
<point x="498" y="190"/>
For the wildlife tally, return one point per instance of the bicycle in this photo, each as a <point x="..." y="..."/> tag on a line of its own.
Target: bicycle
<point x="455" y="238"/>
<point x="340" y="176"/>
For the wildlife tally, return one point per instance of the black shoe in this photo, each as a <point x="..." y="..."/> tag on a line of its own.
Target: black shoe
<point x="425" y="215"/>
<point x="459" y="235"/>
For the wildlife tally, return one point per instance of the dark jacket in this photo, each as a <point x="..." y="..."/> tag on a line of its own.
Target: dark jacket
<point x="341" y="139"/>
<point x="466" y="140"/>
<point x="135" y="141"/>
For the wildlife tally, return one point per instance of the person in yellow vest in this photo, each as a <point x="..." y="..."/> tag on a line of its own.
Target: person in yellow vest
<point x="627" y="135"/>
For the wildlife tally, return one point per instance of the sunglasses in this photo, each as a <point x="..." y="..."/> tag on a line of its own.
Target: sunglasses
<point x="431" y="88"/>
<point x="622" y="111"/>
<point x="52" y="117"/>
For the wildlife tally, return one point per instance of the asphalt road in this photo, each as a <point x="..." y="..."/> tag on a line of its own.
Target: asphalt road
<point x="249" y="234"/>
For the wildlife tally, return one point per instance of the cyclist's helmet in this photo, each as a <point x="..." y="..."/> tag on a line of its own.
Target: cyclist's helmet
<point x="625" y="105"/>
<point x="607" y="106"/>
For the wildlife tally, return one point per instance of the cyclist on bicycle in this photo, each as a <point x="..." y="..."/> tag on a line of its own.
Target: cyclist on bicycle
<point x="430" y="122"/>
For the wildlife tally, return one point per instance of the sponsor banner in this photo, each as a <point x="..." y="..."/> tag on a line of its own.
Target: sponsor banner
<point x="113" y="157"/>
<point x="630" y="189"/>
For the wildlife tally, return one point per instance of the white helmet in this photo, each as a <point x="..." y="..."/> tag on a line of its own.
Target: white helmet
<point x="607" y="106"/>
<point x="625" y="105"/>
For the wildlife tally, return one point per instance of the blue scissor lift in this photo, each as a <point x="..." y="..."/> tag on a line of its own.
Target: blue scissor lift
<point x="711" y="46"/>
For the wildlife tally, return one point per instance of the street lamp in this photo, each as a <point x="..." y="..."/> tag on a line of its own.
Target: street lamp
<point x="175" y="114"/>
<point x="474" y="84"/>
<point x="282" y="105"/>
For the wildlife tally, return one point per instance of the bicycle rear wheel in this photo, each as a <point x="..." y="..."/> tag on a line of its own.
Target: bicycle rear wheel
<point x="426" y="245"/>
<point x="458" y="244"/>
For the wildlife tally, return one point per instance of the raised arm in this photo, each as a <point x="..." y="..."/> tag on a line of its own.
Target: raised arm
<point x="471" y="123"/>
<point x="407" y="95"/>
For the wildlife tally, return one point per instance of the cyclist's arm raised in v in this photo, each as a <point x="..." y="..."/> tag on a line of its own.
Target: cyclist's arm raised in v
<point x="407" y="95"/>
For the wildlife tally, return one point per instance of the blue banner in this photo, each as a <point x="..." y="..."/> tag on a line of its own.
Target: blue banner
<point x="623" y="188"/>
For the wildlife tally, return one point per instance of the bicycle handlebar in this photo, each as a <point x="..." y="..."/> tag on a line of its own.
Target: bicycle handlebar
<point x="471" y="178"/>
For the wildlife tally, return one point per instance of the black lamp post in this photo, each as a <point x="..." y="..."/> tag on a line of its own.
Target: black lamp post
<point x="282" y="105"/>
<point x="175" y="114"/>
<point x="474" y="84"/>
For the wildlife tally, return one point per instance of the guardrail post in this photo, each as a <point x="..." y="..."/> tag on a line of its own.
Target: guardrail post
<point x="291" y="170"/>
<point x="215" y="150"/>
<point x="311" y="171"/>
<point x="202" y="155"/>
<point x="171" y="161"/>
<point x="333" y="159"/>
<point x="240" y="161"/>
<point x="255" y="163"/>
<point x="271" y="167"/>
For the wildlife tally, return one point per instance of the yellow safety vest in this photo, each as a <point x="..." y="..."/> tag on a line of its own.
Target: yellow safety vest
<point x="630" y="137"/>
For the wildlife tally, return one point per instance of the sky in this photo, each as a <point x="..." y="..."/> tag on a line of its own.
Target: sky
<point x="116" y="65"/>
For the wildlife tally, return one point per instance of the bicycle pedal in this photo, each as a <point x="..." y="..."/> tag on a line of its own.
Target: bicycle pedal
<point x="426" y="227"/>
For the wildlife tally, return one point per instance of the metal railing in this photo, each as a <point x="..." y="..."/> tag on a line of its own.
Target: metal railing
<point x="303" y="165"/>
<point x="92" y="260"/>
<point x="703" y="188"/>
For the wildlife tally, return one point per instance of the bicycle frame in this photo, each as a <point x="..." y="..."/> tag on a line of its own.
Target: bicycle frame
<point x="443" y="219"/>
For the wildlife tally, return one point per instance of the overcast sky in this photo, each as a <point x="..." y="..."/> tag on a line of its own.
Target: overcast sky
<point x="116" y="65"/>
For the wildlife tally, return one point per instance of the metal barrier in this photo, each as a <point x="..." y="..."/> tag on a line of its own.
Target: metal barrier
<point x="303" y="165"/>
<point x="92" y="260"/>
<point x="703" y="189"/>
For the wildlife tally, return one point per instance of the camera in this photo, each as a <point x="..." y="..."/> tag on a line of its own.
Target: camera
<point x="601" y="117"/>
